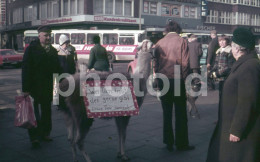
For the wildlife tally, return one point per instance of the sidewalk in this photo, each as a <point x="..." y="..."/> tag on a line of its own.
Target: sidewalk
<point x="143" y="142"/>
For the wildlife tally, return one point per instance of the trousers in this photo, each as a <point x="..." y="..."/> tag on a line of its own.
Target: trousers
<point x="42" y="113"/>
<point x="181" y="128"/>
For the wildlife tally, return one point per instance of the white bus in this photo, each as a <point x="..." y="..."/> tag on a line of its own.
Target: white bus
<point x="120" y="44"/>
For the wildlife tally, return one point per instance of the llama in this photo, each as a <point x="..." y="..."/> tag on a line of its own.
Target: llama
<point x="77" y="122"/>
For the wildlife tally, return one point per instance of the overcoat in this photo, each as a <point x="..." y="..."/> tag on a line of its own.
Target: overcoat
<point x="195" y="51"/>
<point x="98" y="58"/>
<point x="212" y="48"/>
<point x="38" y="68"/>
<point x="239" y="114"/>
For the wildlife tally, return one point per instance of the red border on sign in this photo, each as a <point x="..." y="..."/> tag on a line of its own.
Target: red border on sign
<point x="127" y="83"/>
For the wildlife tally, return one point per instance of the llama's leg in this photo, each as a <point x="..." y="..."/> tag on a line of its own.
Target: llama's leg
<point x="69" y="125"/>
<point x="121" y="123"/>
<point x="82" y="130"/>
<point x="194" y="111"/>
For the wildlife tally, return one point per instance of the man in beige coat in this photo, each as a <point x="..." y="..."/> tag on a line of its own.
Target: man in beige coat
<point x="171" y="54"/>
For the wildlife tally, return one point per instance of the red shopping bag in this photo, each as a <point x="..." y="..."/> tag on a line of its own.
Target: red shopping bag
<point x="24" y="113"/>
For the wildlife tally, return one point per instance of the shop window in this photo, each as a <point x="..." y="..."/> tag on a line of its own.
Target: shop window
<point x="90" y="38"/>
<point x="57" y="37"/>
<point x="55" y="9"/>
<point x="126" y="40"/>
<point x="110" y="38"/>
<point x="78" y="38"/>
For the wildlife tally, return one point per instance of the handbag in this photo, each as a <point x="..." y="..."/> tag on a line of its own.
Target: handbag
<point x="24" y="113"/>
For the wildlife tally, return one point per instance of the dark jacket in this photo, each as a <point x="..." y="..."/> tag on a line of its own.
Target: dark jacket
<point x="67" y="59"/>
<point x="223" y="62"/>
<point x="212" y="48"/>
<point x="195" y="51"/>
<point x="170" y="51"/>
<point x="37" y="71"/>
<point x="239" y="114"/>
<point x="98" y="58"/>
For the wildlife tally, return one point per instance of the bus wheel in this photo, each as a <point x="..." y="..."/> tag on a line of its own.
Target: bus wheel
<point x="111" y="57"/>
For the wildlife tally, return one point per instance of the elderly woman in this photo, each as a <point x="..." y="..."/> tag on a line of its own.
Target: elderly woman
<point x="237" y="135"/>
<point x="223" y="62"/>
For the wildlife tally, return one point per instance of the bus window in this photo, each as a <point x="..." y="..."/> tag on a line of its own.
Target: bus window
<point x="126" y="40"/>
<point x="110" y="38"/>
<point x="57" y="37"/>
<point x="141" y="37"/>
<point x="77" y="38"/>
<point x="90" y="38"/>
<point x="28" y="39"/>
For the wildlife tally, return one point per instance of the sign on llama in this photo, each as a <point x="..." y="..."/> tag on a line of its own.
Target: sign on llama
<point x="110" y="98"/>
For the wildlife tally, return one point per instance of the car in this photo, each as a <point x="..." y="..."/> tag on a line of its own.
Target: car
<point x="9" y="57"/>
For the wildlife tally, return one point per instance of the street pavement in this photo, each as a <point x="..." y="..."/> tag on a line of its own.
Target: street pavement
<point x="144" y="133"/>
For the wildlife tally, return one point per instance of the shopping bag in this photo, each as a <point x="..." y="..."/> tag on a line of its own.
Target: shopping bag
<point x="24" y="113"/>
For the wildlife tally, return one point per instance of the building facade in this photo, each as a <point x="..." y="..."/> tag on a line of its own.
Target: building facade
<point x="226" y="15"/>
<point x="193" y="15"/>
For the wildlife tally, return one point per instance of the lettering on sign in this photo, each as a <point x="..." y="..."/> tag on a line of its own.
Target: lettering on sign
<point x="124" y="49"/>
<point x="103" y="100"/>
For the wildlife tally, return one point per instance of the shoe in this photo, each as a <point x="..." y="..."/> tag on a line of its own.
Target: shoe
<point x="47" y="139"/>
<point x="185" y="148"/>
<point x="35" y="144"/>
<point x="169" y="147"/>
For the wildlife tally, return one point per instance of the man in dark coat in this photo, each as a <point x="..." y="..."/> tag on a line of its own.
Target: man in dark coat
<point x="170" y="51"/>
<point x="195" y="50"/>
<point x="98" y="58"/>
<point x="40" y="61"/>
<point x="237" y="135"/>
<point x="212" y="48"/>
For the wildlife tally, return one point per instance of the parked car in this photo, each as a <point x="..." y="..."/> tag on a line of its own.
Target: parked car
<point x="8" y="57"/>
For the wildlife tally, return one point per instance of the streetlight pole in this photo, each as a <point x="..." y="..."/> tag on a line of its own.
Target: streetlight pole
<point x="140" y="10"/>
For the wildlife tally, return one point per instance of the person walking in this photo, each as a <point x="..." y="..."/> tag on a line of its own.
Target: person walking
<point x="170" y="51"/>
<point x="98" y="58"/>
<point x="40" y="61"/>
<point x="212" y="48"/>
<point x="223" y="62"/>
<point x="237" y="134"/>
<point x="67" y="55"/>
<point x="195" y="49"/>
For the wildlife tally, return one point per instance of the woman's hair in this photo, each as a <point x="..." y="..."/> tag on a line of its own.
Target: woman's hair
<point x="244" y="49"/>
<point x="172" y="26"/>
<point x="224" y="37"/>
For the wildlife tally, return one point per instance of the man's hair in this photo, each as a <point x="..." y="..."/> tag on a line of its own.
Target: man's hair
<point x="96" y="39"/>
<point x="173" y="26"/>
<point x="213" y="32"/>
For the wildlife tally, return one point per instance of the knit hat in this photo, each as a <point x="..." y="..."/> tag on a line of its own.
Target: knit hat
<point x="63" y="39"/>
<point x="244" y="37"/>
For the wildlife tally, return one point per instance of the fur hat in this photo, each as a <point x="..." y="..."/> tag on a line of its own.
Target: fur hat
<point x="244" y="37"/>
<point x="63" y="39"/>
<point x="44" y="28"/>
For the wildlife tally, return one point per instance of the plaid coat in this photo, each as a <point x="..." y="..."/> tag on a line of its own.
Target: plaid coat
<point x="223" y="62"/>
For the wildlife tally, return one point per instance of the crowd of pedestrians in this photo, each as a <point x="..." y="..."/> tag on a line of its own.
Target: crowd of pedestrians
<point x="233" y="62"/>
